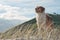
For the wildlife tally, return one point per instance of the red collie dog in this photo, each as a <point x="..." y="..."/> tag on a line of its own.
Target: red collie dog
<point x="43" y="19"/>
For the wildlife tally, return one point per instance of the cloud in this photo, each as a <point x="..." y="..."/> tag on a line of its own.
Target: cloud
<point x="24" y="8"/>
<point x="30" y="3"/>
<point x="53" y="9"/>
<point x="12" y="13"/>
<point x="8" y="8"/>
<point x="11" y="16"/>
<point x="2" y="11"/>
<point x="45" y="1"/>
<point x="20" y="0"/>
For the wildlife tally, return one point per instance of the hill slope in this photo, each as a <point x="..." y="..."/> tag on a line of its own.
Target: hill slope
<point x="27" y="28"/>
<point x="22" y="29"/>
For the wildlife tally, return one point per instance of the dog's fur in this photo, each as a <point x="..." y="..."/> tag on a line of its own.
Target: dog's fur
<point x="43" y="19"/>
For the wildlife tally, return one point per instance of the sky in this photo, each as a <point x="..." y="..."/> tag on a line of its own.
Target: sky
<point x="14" y="12"/>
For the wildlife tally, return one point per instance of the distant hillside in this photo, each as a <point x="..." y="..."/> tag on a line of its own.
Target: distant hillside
<point x="28" y="28"/>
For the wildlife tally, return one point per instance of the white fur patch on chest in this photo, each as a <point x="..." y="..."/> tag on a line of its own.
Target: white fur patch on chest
<point x="41" y="17"/>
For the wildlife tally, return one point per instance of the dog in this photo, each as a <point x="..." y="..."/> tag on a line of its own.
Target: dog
<point x="44" y="21"/>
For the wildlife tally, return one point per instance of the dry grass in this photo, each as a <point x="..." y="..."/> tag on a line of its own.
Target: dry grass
<point x="53" y="34"/>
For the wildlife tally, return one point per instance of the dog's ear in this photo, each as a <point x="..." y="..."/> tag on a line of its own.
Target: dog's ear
<point x="39" y="9"/>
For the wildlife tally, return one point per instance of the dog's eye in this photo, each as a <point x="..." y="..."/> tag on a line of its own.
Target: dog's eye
<point x="37" y="8"/>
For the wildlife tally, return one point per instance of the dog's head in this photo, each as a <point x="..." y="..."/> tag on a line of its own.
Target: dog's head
<point x="39" y="9"/>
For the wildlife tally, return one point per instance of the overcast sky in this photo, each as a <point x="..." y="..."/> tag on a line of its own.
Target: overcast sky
<point x="23" y="10"/>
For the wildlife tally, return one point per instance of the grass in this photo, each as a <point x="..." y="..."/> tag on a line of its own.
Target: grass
<point x="28" y="30"/>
